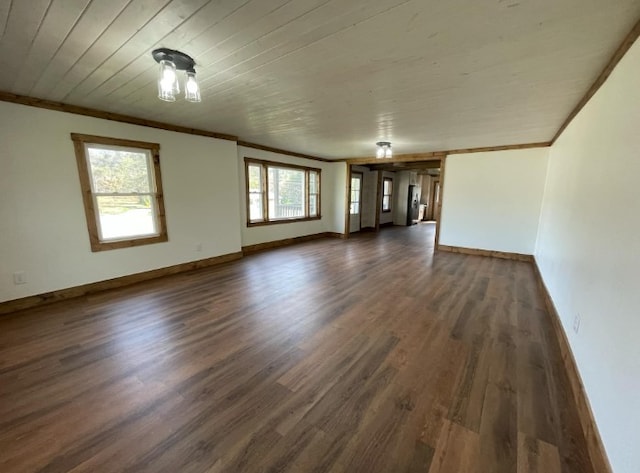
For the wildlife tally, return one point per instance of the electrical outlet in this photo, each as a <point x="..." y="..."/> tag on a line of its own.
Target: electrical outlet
<point x="576" y="323"/>
<point x="19" y="277"/>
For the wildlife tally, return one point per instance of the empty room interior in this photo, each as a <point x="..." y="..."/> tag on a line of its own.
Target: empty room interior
<point x="319" y="236"/>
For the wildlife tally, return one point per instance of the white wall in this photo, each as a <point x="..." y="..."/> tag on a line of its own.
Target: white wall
<point x="336" y="186"/>
<point x="43" y="229"/>
<point x="400" y="195"/>
<point x="492" y="200"/>
<point x="333" y="177"/>
<point x="369" y="199"/>
<point x="588" y="251"/>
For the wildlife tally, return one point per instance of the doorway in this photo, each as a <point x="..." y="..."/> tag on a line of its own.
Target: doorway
<point x="355" y="202"/>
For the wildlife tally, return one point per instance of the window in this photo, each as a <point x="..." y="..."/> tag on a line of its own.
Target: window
<point x="356" y="180"/>
<point x="122" y="191"/>
<point x="387" y="191"/>
<point x="279" y="192"/>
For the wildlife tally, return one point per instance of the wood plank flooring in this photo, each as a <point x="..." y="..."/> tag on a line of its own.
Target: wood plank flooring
<point x="366" y="355"/>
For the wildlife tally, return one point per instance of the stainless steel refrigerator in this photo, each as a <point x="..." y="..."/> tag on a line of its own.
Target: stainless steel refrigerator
<point x="413" y="204"/>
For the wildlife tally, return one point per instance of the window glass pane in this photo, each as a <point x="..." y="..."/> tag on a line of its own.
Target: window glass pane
<point x="126" y="216"/>
<point x="355" y="208"/>
<point x="385" y="203"/>
<point x="313" y="205"/>
<point x="286" y="193"/>
<point x="255" y="184"/>
<point x="119" y="171"/>
<point x="387" y="187"/>
<point x="255" y="206"/>
<point x="313" y="182"/>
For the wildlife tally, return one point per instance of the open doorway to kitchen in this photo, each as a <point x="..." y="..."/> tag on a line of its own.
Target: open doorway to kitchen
<point x="390" y="192"/>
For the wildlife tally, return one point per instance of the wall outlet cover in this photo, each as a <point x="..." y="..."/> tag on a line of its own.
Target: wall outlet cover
<point x="19" y="277"/>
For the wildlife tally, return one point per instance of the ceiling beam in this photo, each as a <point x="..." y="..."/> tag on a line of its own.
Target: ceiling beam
<point x="437" y="155"/>
<point x="405" y="166"/>
<point x="282" y="151"/>
<point x="486" y="149"/>
<point x="398" y="158"/>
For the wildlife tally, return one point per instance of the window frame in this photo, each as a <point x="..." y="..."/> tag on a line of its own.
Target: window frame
<point x="264" y="181"/>
<point x="80" y="142"/>
<point x="387" y="179"/>
<point x="360" y="192"/>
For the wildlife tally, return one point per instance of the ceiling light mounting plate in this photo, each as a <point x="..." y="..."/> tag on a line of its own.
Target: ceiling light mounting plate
<point x="182" y="61"/>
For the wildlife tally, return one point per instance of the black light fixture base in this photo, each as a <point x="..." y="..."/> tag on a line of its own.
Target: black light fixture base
<point x="182" y="61"/>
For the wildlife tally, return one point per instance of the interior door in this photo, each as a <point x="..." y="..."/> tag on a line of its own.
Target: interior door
<point x="355" y="205"/>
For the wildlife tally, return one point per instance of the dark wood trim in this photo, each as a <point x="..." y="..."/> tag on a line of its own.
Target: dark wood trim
<point x="91" y="215"/>
<point x="489" y="253"/>
<point x="110" y="141"/>
<point x="347" y="217"/>
<point x="279" y="164"/>
<point x="595" y="447"/>
<point x="264" y="177"/>
<point x="486" y="149"/>
<point x="378" y="200"/>
<point x="284" y="220"/>
<point x="128" y="280"/>
<point x="283" y="151"/>
<point x="628" y="41"/>
<point x="116" y="117"/>
<point x="437" y="155"/>
<point x="249" y="249"/>
<point x="437" y="212"/>
<point x="319" y="194"/>
<point x="397" y="158"/>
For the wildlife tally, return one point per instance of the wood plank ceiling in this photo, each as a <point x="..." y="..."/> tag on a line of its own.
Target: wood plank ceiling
<point x="324" y="77"/>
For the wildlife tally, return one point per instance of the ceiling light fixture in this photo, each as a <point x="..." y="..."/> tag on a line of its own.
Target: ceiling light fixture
<point x="384" y="149"/>
<point x="168" y="87"/>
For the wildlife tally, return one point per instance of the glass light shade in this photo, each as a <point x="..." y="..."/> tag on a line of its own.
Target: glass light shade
<point x="384" y="149"/>
<point x="191" y="88"/>
<point x="168" y="81"/>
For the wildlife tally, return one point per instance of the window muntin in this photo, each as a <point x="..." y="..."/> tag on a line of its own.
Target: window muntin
<point x="121" y="188"/>
<point x="387" y="192"/>
<point x="278" y="192"/>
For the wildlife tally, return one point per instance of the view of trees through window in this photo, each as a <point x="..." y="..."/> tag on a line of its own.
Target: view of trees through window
<point x="123" y="191"/>
<point x="280" y="192"/>
<point x="286" y="193"/>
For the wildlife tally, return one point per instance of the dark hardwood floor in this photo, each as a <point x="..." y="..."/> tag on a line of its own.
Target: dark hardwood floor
<point x="366" y="355"/>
